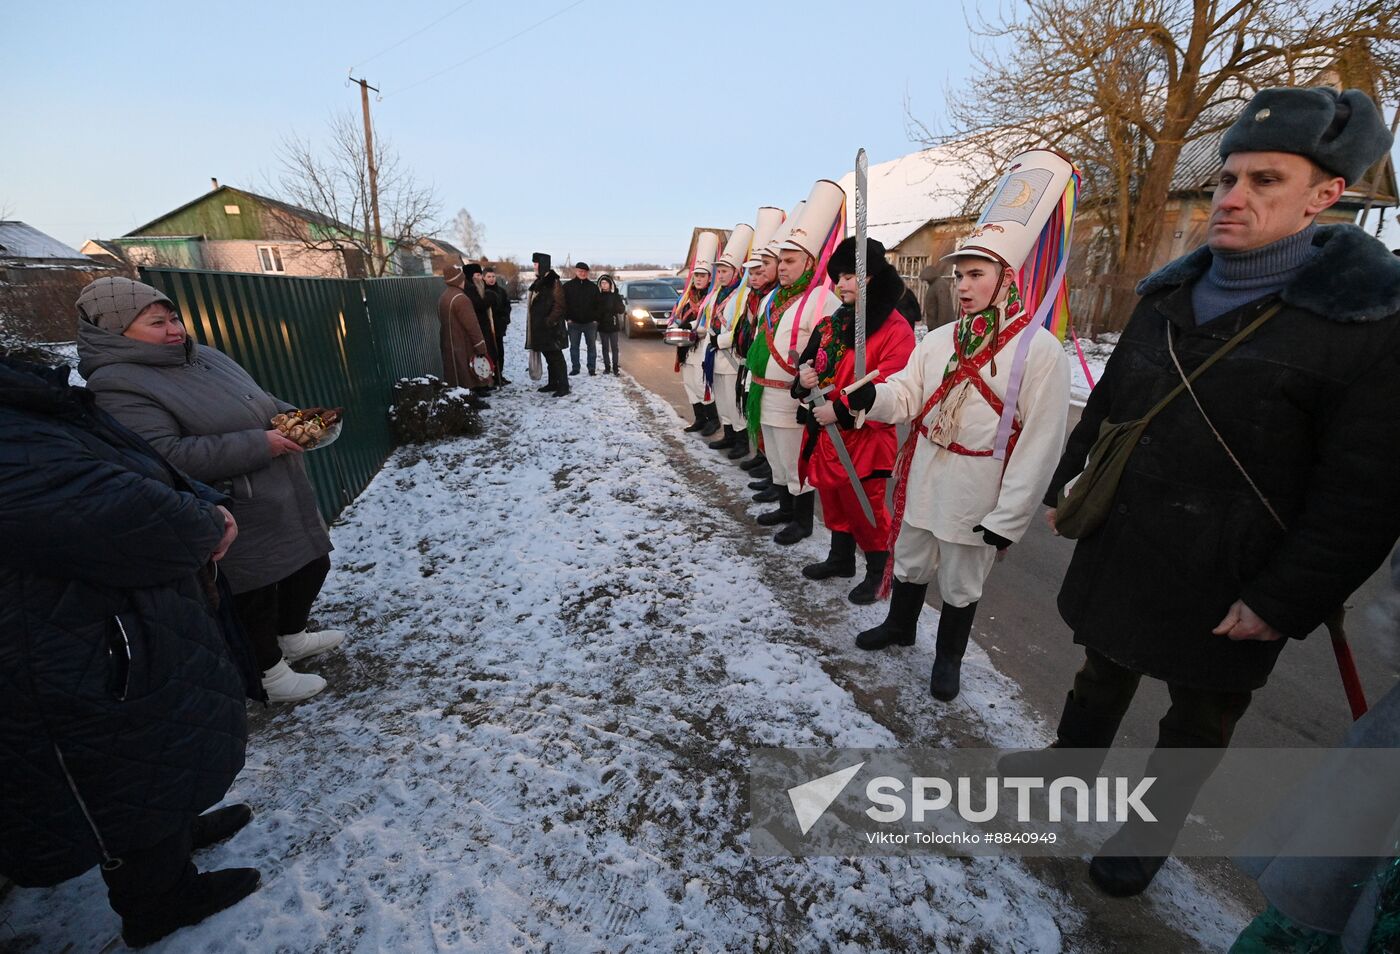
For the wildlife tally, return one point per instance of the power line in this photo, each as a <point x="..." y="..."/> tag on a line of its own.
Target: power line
<point x="478" y="55"/>
<point x="412" y="35"/>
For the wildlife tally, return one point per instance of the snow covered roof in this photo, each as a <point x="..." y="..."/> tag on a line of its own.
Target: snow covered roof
<point x="907" y="193"/>
<point x="20" y="240"/>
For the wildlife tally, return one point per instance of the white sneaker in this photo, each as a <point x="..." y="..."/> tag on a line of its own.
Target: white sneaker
<point x="283" y="684"/>
<point x="303" y="644"/>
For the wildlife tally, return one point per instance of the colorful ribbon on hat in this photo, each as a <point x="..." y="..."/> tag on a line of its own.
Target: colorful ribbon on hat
<point x="1041" y="274"/>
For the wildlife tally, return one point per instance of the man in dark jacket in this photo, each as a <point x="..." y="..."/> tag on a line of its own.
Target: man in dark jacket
<point x="546" y="331"/>
<point x="581" y="309"/>
<point x="121" y="703"/>
<point x="1251" y="509"/>
<point x="498" y="300"/>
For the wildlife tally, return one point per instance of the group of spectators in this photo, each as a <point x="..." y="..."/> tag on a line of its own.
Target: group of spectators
<point x="568" y="313"/>
<point x="163" y="552"/>
<point x="473" y="316"/>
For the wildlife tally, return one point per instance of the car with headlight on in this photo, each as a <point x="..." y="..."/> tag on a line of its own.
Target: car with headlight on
<point x="648" y="303"/>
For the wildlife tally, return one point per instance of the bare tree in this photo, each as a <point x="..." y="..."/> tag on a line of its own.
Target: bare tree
<point x="470" y="234"/>
<point x="332" y="181"/>
<point x="1124" y="88"/>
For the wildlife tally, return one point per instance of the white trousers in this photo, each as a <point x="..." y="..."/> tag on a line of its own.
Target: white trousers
<point x="693" y="380"/>
<point x="727" y="402"/>
<point x="782" y="446"/>
<point x="959" y="569"/>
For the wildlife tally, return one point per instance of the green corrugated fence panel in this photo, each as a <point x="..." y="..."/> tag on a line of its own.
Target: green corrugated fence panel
<point x="405" y="319"/>
<point x="319" y="341"/>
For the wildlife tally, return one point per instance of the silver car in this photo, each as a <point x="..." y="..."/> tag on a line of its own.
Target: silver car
<point x="648" y="304"/>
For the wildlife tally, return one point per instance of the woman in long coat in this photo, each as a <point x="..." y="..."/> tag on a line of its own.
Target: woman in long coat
<point x="460" y="335"/>
<point x="209" y="418"/>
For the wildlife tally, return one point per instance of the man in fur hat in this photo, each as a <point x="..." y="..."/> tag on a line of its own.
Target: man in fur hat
<point x="1250" y="510"/>
<point x="459" y="331"/>
<point x="830" y="360"/>
<point x="546" y="332"/>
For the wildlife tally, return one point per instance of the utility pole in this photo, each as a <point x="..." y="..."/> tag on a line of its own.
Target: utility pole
<point x="373" y="172"/>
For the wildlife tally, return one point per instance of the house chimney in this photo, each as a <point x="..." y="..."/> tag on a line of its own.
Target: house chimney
<point x="215" y="186"/>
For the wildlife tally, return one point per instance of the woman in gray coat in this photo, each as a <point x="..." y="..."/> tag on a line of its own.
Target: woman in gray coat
<point x="209" y="418"/>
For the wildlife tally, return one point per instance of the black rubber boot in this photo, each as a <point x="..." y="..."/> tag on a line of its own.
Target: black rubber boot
<point x="740" y="449"/>
<point x="699" y="420"/>
<point x="1081" y="744"/>
<point x="783" y="514"/>
<point x="196" y="899"/>
<point x="901" y="624"/>
<point x="768" y="494"/>
<point x="954" y="628"/>
<point x="711" y="420"/>
<point x="840" y="560"/>
<point x="547" y="388"/>
<point x="754" y="462"/>
<point x="867" y="589"/>
<point x="213" y="827"/>
<point x="1132" y="856"/>
<point x="725" y="442"/>
<point x="801" y="526"/>
<point x="763" y="472"/>
<point x="763" y="484"/>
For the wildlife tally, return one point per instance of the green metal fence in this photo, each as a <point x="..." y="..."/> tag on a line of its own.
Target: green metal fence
<point x="330" y="342"/>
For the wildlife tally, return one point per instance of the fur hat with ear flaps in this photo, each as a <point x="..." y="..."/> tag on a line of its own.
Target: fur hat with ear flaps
<point x="543" y="260"/>
<point x="1341" y="132"/>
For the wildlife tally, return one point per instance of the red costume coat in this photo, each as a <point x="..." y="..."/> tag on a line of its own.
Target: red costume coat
<point x="873" y="446"/>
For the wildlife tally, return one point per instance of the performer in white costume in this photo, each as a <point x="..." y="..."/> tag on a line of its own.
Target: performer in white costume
<point x="970" y="475"/>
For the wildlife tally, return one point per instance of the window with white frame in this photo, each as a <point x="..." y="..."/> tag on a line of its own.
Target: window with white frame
<point x="910" y="266"/>
<point x="270" y="258"/>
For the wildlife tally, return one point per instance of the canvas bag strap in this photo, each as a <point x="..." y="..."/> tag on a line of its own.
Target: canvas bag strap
<point x="1225" y="349"/>
<point x="1186" y="384"/>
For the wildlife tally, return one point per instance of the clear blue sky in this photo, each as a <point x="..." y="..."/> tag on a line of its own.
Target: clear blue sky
<point x="605" y="134"/>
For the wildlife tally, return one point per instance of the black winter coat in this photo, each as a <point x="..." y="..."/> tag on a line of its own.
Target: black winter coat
<point x="547" y="331"/>
<point x="499" y="300"/>
<point x="121" y="709"/>
<point x="580" y="300"/>
<point x="1311" y="407"/>
<point x="608" y="310"/>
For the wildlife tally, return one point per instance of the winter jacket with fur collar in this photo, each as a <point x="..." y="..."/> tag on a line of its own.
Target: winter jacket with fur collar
<point x="1310" y="406"/>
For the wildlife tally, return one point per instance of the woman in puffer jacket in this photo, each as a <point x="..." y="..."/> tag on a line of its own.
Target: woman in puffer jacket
<point x="209" y="418"/>
<point x="122" y="700"/>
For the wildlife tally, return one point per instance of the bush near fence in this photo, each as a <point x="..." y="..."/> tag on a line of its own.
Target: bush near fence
<point x="328" y="342"/>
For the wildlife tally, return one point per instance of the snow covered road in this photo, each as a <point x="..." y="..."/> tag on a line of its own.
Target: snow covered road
<point x="565" y="637"/>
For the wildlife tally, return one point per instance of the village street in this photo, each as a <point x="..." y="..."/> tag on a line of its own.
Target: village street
<point x="1019" y="627"/>
<point x="565" y="639"/>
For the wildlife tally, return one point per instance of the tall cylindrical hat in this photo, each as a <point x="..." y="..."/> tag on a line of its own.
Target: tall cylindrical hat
<point x="765" y="226"/>
<point x="1024" y="200"/>
<point x="1027" y="226"/>
<point x="821" y="212"/>
<point x="785" y="229"/>
<point x="737" y="248"/>
<point x="706" y="248"/>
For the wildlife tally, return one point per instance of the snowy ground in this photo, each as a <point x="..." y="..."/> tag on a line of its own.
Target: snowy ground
<point x="565" y="637"/>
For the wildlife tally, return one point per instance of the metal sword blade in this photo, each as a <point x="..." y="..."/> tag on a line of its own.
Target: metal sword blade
<point x="862" y="175"/>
